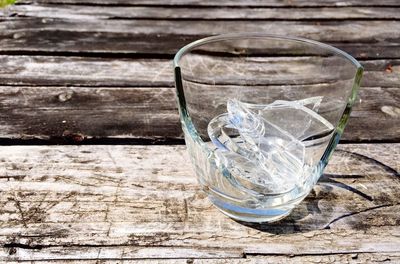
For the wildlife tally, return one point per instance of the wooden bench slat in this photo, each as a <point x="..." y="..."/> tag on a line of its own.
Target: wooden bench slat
<point x="297" y="3"/>
<point x="202" y="13"/>
<point x="129" y="202"/>
<point x="120" y="72"/>
<point x="362" y="39"/>
<point x="51" y="112"/>
<point x="56" y="105"/>
<point x="268" y="259"/>
<point x="133" y="255"/>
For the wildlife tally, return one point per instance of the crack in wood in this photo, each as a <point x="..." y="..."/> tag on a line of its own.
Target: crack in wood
<point x="24" y="246"/>
<point x="18" y="205"/>
<point x="186" y="211"/>
<point x="328" y="180"/>
<point x="387" y="168"/>
<point x="54" y="140"/>
<point x="328" y="226"/>
<point x="252" y="254"/>
<point x="117" y="189"/>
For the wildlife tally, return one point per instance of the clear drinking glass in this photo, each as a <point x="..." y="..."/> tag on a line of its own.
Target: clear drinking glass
<point x="261" y="115"/>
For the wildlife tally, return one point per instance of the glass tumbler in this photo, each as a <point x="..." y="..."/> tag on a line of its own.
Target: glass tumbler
<point x="261" y="115"/>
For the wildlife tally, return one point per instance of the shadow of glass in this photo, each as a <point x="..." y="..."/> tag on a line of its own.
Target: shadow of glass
<point x="337" y="197"/>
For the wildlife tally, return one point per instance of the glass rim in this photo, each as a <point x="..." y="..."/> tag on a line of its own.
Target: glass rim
<point x="254" y="35"/>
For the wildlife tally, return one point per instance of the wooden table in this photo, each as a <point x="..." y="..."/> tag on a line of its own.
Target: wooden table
<point x="93" y="165"/>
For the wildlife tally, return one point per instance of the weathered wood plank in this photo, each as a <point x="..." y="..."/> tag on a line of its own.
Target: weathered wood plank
<point x="103" y="112"/>
<point x="130" y="109"/>
<point x="86" y="71"/>
<point x="87" y="112"/>
<point x="103" y="72"/>
<point x="116" y="202"/>
<point x="339" y="258"/>
<point x="363" y="39"/>
<point x="48" y="112"/>
<point x="60" y="70"/>
<point x="297" y="3"/>
<point x="202" y="13"/>
<point x="117" y="253"/>
<point x="333" y="258"/>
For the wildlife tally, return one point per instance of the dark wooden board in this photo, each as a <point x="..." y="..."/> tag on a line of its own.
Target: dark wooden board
<point x="202" y="13"/>
<point x="193" y="3"/>
<point x="56" y="112"/>
<point x="46" y="96"/>
<point x="85" y="71"/>
<point x="18" y="35"/>
<point x="136" y="72"/>
<point x="158" y="31"/>
<point x="249" y="259"/>
<point x="61" y="112"/>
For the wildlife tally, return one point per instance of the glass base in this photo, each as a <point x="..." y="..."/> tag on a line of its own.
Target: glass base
<point x="261" y="215"/>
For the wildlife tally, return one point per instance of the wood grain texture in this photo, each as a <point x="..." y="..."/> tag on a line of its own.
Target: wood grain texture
<point x="193" y="3"/>
<point x="88" y="112"/>
<point x="136" y="72"/>
<point x="329" y="258"/>
<point x="128" y="202"/>
<point x="203" y="13"/>
<point x="84" y="71"/>
<point x="106" y="73"/>
<point x="362" y="39"/>
<point x="150" y="113"/>
<point x="49" y="96"/>
<point x="154" y="31"/>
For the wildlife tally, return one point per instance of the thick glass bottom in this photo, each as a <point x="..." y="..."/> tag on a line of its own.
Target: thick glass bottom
<point x="265" y="215"/>
<point x="259" y="215"/>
